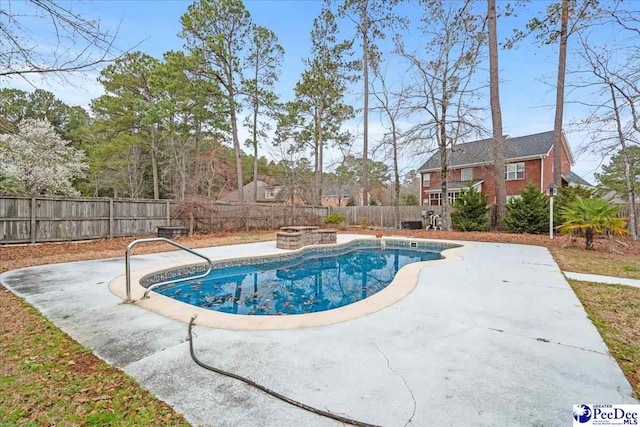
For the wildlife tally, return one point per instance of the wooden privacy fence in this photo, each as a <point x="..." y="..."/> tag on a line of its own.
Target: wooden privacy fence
<point x="49" y="219"/>
<point x="379" y="216"/>
<point x="241" y="216"/>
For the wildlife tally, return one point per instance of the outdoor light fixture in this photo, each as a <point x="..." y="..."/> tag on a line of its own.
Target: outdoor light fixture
<point x="552" y="191"/>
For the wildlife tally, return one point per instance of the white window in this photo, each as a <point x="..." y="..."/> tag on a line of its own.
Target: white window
<point x="466" y="174"/>
<point x="435" y="199"/>
<point x="514" y="171"/>
<point x="452" y="196"/>
<point x="269" y="193"/>
<point x="426" y="180"/>
<point x="513" y="196"/>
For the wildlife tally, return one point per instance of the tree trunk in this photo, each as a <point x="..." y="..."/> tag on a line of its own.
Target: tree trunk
<point x="628" y="176"/>
<point x="154" y="163"/>
<point x="256" y="106"/>
<point x="444" y="172"/>
<point x="319" y="156"/>
<point x="396" y="174"/>
<point x="589" y="238"/>
<point x="562" y="69"/>
<point x="236" y="145"/>
<point x="365" y="131"/>
<point x="254" y="198"/>
<point x="496" y="117"/>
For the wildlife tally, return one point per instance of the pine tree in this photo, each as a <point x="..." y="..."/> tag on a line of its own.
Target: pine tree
<point x="528" y="213"/>
<point x="470" y="211"/>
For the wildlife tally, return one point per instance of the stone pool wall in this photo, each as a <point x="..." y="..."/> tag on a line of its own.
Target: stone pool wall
<point x="297" y="237"/>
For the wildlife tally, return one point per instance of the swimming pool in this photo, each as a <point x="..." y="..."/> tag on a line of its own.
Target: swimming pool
<point x="316" y="279"/>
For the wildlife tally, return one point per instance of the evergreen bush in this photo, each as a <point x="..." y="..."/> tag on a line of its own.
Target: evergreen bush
<point x="470" y="211"/>
<point x="528" y="213"/>
<point x="335" y="219"/>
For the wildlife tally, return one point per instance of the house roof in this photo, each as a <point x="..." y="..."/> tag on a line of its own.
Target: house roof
<point x="337" y="190"/>
<point x="232" y="196"/>
<point x="478" y="152"/>
<point x="572" y="178"/>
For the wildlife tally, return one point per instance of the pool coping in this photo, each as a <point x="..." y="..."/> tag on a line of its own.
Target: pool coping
<point x="405" y="281"/>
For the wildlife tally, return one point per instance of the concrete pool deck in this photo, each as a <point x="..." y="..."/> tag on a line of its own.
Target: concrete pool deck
<point x="495" y="338"/>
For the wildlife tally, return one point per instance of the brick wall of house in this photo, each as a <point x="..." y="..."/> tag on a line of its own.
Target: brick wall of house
<point x="513" y="187"/>
<point x="532" y="174"/>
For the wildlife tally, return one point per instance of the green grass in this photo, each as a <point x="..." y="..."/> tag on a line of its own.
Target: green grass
<point x="604" y="263"/>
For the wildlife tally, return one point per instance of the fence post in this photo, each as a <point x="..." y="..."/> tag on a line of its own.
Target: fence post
<point x="273" y="221"/>
<point x="111" y="224"/>
<point x="33" y="220"/>
<point x="168" y="212"/>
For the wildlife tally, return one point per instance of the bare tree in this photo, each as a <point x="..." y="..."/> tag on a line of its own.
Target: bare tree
<point x="572" y="16"/>
<point x="444" y="88"/>
<point x="392" y="107"/>
<point x="79" y="43"/>
<point x="614" y="99"/>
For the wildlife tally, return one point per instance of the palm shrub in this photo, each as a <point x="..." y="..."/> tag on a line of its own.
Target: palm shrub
<point x="528" y="213"/>
<point x="566" y="196"/>
<point x="470" y="211"/>
<point x="592" y="216"/>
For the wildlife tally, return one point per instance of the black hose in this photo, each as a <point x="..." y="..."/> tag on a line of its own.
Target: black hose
<point x="275" y="394"/>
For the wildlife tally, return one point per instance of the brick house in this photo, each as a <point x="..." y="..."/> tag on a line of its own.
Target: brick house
<point x="528" y="158"/>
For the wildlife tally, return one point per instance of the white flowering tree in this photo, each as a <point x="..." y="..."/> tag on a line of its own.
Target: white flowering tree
<point x="40" y="160"/>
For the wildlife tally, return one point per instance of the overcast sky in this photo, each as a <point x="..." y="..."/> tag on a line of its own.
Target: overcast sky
<point x="528" y="73"/>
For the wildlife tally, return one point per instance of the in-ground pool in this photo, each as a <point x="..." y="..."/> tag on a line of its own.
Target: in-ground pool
<point x="315" y="280"/>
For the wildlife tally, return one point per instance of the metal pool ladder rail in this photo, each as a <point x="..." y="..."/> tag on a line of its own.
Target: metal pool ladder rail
<point x="127" y="265"/>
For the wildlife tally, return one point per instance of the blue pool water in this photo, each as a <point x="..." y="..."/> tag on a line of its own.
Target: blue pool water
<point x="310" y="283"/>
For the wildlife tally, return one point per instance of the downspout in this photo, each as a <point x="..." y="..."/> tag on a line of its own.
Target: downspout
<point x="542" y="173"/>
<point x="421" y="188"/>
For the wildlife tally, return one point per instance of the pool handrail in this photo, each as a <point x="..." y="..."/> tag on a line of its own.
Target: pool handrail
<point x="127" y="265"/>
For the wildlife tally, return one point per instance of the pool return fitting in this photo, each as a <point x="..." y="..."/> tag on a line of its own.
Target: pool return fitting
<point x="270" y="392"/>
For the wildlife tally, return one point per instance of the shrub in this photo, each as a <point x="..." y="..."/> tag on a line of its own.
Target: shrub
<point x="566" y="196"/>
<point x="470" y="211"/>
<point x="528" y="213"/>
<point x="364" y="221"/>
<point x="335" y="219"/>
<point x="411" y="200"/>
